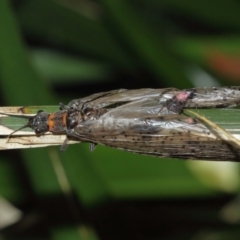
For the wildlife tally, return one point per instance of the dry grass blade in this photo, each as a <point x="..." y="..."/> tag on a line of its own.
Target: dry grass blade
<point x="225" y="135"/>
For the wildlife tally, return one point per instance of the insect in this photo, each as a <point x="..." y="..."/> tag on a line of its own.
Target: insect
<point x="145" y="121"/>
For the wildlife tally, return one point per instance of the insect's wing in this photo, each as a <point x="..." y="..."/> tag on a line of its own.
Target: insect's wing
<point x="93" y="100"/>
<point x="118" y="97"/>
<point x="202" y="97"/>
<point x="176" y="136"/>
<point x="214" y="97"/>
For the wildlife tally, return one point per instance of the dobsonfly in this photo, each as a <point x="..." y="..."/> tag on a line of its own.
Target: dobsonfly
<point x="145" y="121"/>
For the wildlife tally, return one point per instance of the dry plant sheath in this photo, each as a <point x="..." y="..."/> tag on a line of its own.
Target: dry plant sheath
<point x="145" y="121"/>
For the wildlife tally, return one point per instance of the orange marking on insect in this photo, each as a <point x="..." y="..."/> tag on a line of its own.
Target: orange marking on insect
<point x="56" y="121"/>
<point x="64" y="119"/>
<point x="51" y="122"/>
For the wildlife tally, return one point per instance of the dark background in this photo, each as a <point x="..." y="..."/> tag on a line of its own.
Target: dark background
<point x="52" y="51"/>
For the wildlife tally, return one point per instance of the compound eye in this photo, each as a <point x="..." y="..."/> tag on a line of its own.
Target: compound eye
<point x="41" y="129"/>
<point x="38" y="131"/>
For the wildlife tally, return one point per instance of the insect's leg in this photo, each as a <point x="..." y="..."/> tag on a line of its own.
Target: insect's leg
<point x="64" y="145"/>
<point x="92" y="146"/>
<point x="62" y="106"/>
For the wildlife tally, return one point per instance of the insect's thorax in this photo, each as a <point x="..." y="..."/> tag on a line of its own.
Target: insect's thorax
<point x="57" y="122"/>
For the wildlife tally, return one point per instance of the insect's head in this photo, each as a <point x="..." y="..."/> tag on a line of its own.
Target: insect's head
<point x="39" y="122"/>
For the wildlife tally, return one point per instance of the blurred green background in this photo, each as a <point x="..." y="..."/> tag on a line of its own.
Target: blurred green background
<point x="52" y="51"/>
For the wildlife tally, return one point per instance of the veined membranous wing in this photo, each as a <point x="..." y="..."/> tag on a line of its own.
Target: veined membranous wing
<point x="143" y="98"/>
<point x="214" y="97"/>
<point x="176" y="136"/>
